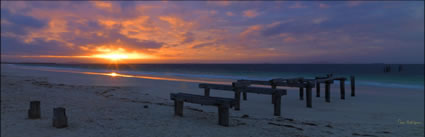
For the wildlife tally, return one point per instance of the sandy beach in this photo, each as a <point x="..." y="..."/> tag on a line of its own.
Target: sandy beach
<point x="98" y="105"/>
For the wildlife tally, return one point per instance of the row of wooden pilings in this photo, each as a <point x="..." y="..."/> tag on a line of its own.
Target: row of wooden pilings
<point x="342" y="87"/>
<point x="59" y="117"/>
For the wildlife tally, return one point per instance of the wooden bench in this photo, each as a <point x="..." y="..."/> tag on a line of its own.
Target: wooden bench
<point x="223" y="104"/>
<point x="238" y="87"/>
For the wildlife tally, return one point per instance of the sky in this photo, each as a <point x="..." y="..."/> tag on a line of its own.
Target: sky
<point x="213" y="31"/>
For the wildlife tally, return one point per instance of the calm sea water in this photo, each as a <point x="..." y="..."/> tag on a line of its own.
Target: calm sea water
<point x="411" y="76"/>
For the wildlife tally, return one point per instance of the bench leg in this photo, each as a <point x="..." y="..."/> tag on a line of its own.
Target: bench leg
<point x="301" y="93"/>
<point x="238" y="100"/>
<point x="342" y="86"/>
<point x="328" y="92"/>
<point x="207" y="92"/>
<point x="178" y="108"/>
<point x="277" y="105"/>
<point x="223" y="115"/>
<point x="244" y="95"/>
<point x="308" y="97"/>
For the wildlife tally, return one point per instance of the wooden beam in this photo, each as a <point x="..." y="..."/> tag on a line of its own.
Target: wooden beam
<point x="198" y="99"/>
<point x="216" y="86"/>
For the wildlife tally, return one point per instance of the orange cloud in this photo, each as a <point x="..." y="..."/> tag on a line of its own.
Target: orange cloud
<point x="102" y="4"/>
<point x="229" y="13"/>
<point x="220" y="3"/>
<point x="250" y="13"/>
<point x="290" y="40"/>
<point x="251" y="29"/>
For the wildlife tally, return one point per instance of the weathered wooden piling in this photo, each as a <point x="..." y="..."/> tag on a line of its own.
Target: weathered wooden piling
<point x="178" y="107"/>
<point x="238" y="99"/>
<point x="273" y="99"/>
<point x="223" y="104"/>
<point x="400" y="68"/>
<point x="353" y="86"/>
<point x="308" y="95"/>
<point x="59" y="118"/>
<point x="328" y="91"/>
<point x="317" y="89"/>
<point x="277" y="104"/>
<point x="34" y="111"/>
<point x="223" y="115"/>
<point x="207" y="92"/>
<point x="301" y="93"/>
<point x="244" y="95"/>
<point x="342" y="88"/>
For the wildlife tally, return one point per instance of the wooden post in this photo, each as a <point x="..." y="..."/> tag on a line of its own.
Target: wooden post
<point x="238" y="99"/>
<point x="244" y="95"/>
<point x="342" y="88"/>
<point x="178" y="107"/>
<point x="353" y="86"/>
<point x="207" y="92"/>
<point x="308" y="95"/>
<point x="301" y="93"/>
<point x="328" y="91"/>
<point x="317" y="89"/>
<point x="223" y="115"/>
<point x="34" y="111"/>
<point x="277" y="104"/>
<point x="59" y="118"/>
<point x="273" y="99"/>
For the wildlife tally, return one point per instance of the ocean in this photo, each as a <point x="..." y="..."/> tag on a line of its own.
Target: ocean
<point x="411" y="75"/>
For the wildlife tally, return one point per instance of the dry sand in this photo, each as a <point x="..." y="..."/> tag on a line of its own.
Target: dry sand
<point x="112" y="106"/>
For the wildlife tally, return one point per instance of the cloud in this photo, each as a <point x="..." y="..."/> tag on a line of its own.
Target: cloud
<point x="223" y="3"/>
<point x="324" y="6"/>
<point x="354" y="3"/>
<point x="210" y="31"/>
<point x="251" y="29"/>
<point x="250" y="13"/>
<point x="229" y="13"/>
<point x="290" y="40"/>
<point x="102" y="4"/>
<point x="319" y="20"/>
<point x="21" y="20"/>
<point x="202" y="45"/>
<point x="297" y="5"/>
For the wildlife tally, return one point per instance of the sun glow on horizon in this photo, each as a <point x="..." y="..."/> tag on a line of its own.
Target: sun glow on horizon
<point x="113" y="74"/>
<point x="120" y="54"/>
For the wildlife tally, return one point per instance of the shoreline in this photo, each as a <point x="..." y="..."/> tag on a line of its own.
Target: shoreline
<point x="184" y="78"/>
<point x="107" y="106"/>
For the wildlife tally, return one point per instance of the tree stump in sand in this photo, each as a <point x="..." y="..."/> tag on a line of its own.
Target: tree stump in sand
<point x="34" y="111"/>
<point x="59" y="118"/>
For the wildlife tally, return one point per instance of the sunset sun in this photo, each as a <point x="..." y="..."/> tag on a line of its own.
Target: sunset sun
<point x="120" y="54"/>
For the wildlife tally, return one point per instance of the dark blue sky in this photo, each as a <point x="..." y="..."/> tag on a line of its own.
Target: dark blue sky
<point x="215" y="32"/>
